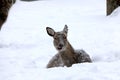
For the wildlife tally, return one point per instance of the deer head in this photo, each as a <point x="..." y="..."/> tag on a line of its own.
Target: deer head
<point x="60" y="38"/>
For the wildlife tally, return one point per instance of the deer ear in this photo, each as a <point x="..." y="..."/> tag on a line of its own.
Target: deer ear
<point x="65" y="29"/>
<point x="50" y="31"/>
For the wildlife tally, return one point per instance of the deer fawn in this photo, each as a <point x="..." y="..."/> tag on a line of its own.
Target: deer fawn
<point x="66" y="55"/>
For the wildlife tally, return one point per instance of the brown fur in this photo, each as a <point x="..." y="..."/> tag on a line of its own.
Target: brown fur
<point x="66" y="55"/>
<point x="5" y="6"/>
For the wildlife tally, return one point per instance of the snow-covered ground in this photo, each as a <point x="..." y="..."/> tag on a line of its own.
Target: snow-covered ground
<point x="25" y="47"/>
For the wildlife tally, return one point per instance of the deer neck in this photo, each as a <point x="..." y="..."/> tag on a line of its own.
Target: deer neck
<point x="69" y="49"/>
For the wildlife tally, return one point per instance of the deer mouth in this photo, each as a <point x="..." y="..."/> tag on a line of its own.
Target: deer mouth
<point x="59" y="48"/>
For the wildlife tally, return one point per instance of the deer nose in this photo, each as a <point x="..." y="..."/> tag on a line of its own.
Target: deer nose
<point x="60" y="46"/>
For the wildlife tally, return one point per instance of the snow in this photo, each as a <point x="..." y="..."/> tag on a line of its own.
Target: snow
<point x="25" y="47"/>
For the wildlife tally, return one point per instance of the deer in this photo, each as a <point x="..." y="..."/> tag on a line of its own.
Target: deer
<point x="67" y="55"/>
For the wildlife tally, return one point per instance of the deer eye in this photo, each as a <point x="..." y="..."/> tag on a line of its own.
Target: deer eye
<point x="64" y="36"/>
<point x="55" y="38"/>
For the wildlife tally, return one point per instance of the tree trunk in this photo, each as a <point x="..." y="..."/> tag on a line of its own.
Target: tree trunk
<point x="29" y="0"/>
<point x="112" y="5"/>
